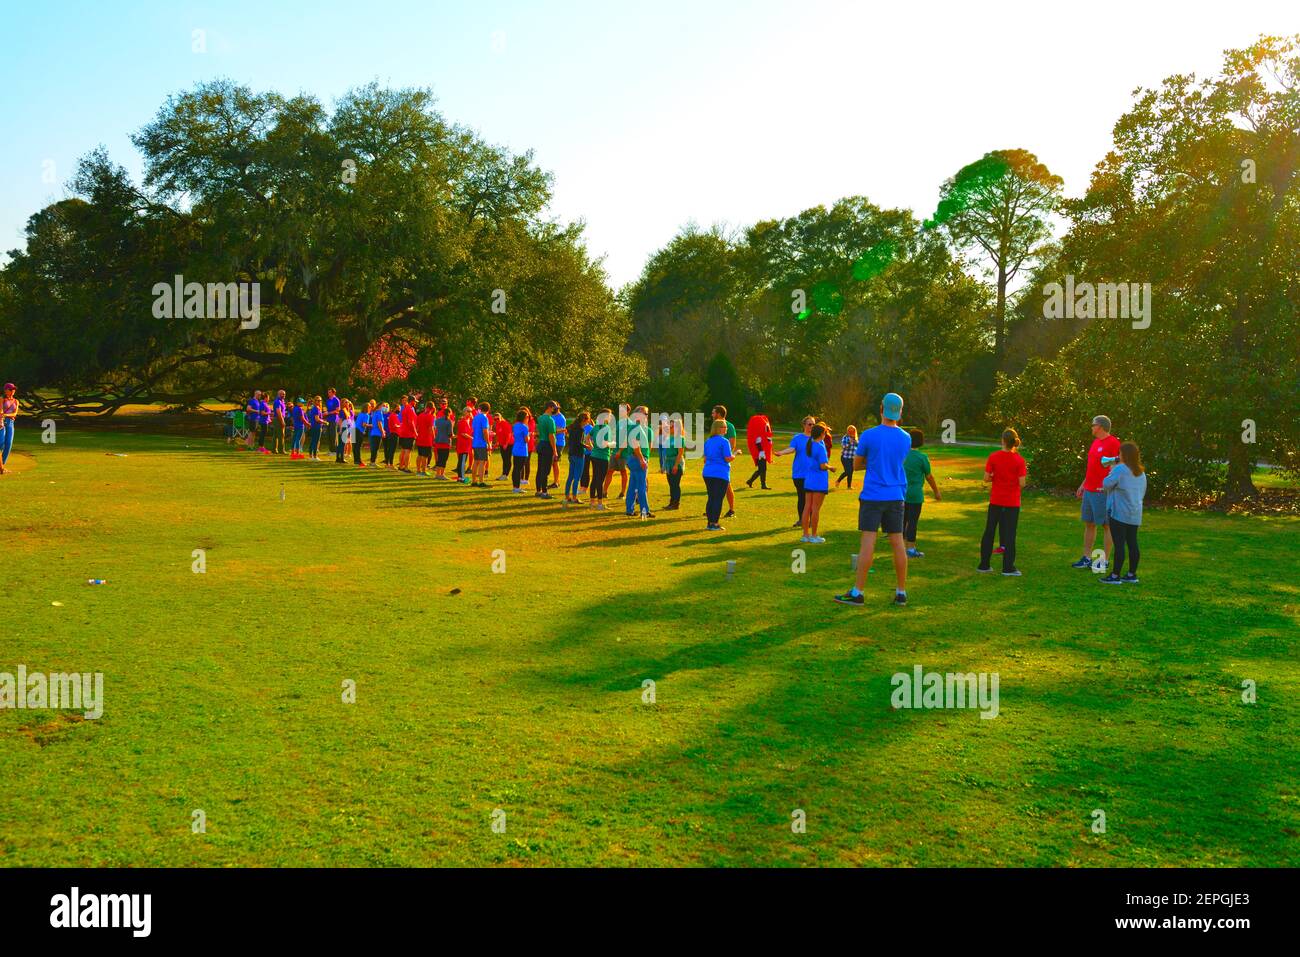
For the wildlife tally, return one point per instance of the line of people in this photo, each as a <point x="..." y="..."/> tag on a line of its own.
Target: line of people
<point x="419" y="437"/>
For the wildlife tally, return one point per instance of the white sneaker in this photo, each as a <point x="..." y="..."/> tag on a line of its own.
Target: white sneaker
<point x="804" y="539"/>
<point x="816" y="540"/>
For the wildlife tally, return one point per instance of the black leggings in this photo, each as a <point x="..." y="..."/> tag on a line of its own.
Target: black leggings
<point x="505" y="460"/>
<point x="375" y="442"/>
<point x="911" y="516"/>
<point x="517" y="475"/>
<point x="798" y="485"/>
<point x="674" y="486"/>
<point x="1003" y="520"/>
<point x="717" y="488"/>
<point x="544" y="457"/>
<point x="760" y="473"/>
<point x="598" y="469"/>
<point x="390" y="448"/>
<point x="1125" y="537"/>
<point x="846" y="462"/>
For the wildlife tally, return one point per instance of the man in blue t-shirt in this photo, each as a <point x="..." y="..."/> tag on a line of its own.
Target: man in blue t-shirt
<point x="332" y="405"/>
<point x="879" y="456"/>
<point x="481" y="435"/>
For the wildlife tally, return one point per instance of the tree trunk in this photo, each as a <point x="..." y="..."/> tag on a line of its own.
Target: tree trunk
<point x="1239" y="484"/>
<point x="1000" y="319"/>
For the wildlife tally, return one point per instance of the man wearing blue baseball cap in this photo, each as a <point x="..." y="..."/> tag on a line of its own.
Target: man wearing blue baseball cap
<point x="879" y="456"/>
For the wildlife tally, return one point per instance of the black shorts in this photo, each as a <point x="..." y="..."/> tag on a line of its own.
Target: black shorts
<point x="424" y="451"/>
<point x="406" y="441"/>
<point x="884" y="517"/>
<point x="441" y="457"/>
<point x="480" y="455"/>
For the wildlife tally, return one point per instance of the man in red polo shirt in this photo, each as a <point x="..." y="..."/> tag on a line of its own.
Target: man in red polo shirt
<point x="1091" y="494"/>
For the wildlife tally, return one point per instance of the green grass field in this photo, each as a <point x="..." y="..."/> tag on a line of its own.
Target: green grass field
<point x="522" y="691"/>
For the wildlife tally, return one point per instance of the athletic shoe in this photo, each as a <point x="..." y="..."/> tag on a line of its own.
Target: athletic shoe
<point x="1014" y="573"/>
<point x="900" y="598"/>
<point x="1112" y="579"/>
<point x="848" y="598"/>
<point x="715" y="528"/>
<point x="999" y="550"/>
<point x="544" y="495"/>
<point x="914" y="553"/>
<point x="730" y="514"/>
<point x="797" y="525"/>
<point x="1101" y="567"/>
<point x="649" y="515"/>
<point x="816" y="540"/>
<point x="983" y="570"/>
<point x="1084" y="562"/>
<point x="600" y="507"/>
<point x="1130" y="579"/>
<point x="804" y="539"/>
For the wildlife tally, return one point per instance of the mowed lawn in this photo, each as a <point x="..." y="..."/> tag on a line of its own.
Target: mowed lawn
<point x="522" y="691"/>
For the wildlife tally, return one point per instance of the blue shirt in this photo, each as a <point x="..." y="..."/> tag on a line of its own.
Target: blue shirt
<point x="818" y="479"/>
<point x="800" y="467"/>
<point x="480" y="426"/>
<point x="560" y="423"/>
<point x="520" y="430"/>
<point x="377" y="422"/>
<point x="363" y="422"/>
<point x="332" y="408"/>
<point x="885" y="448"/>
<point x="716" y="450"/>
<point x="296" y="415"/>
<point x="266" y="412"/>
<point x="278" y="407"/>
<point x="1124" y="494"/>
<point x="313" y="416"/>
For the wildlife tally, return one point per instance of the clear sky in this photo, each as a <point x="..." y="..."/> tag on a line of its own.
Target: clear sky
<point x="650" y="115"/>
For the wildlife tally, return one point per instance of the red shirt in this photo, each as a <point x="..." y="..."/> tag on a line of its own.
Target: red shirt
<point x="424" y="429"/>
<point x="505" y="435"/>
<point x="464" y="437"/>
<point x="392" y="423"/>
<point x="1108" y="447"/>
<point x="406" y="428"/>
<point x="532" y="434"/>
<point x="1007" y="468"/>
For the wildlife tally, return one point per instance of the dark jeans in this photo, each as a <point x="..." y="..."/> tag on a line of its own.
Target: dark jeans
<point x="1126" y="541"/>
<point x="760" y="473"/>
<point x="505" y="460"/>
<point x="1003" y="520"/>
<point x="356" y="449"/>
<point x="598" y="469"/>
<point x="517" y="475"/>
<point x="798" y="485"/>
<point x="586" y="473"/>
<point x="545" y="456"/>
<point x="846" y="463"/>
<point x="911" y="515"/>
<point x="717" y="488"/>
<point x="313" y="440"/>
<point x="674" y="486"/>
<point x="390" y="448"/>
<point x="460" y="465"/>
<point x="375" y="442"/>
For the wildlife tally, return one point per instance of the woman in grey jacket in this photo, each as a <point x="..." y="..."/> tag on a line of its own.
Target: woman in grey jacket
<point x="1125" y="486"/>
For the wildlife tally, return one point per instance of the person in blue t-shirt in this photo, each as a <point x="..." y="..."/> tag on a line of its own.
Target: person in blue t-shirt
<point x="717" y="473"/>
<point x="879" y="456"/>
<point x="816" y="483"/>
<point x="298" y="416"/>
<point x="362" y="429"/>
<point x="519" y="450"/>
<point x="279" y="418"/>
<point x="797" y="448"/>
<point x="481" y="437"/>
<point x="561" y="431"/>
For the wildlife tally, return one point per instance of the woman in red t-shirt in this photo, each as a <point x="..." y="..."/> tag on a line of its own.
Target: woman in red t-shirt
<point x="1004" y="473"/>
<point x="464" y="442"/>
<point x="504" y="440"/>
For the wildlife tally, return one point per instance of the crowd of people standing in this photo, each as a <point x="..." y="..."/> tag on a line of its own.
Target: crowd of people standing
<point x="534" y="449"/>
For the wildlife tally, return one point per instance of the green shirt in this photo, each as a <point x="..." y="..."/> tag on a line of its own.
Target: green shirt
<point x="916" y="466"/>
<point x="731" y="432"/>
<point x="639" y="435"/>
<point x="672" y="443"/>
<point x="602" y="440"/>
<point x="545" y="430"/>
